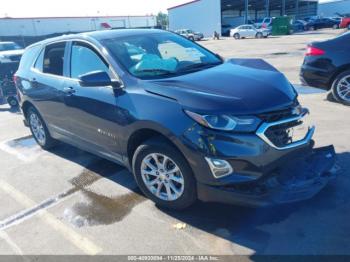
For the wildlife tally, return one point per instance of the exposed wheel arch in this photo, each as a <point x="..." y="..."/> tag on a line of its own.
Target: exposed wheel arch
<point x="25" y="107"/>
<point x="142" y="135"/>
<point x="338" y="72"/>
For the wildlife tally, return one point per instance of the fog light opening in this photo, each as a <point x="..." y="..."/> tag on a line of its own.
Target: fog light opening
<point x="219" y="168"/>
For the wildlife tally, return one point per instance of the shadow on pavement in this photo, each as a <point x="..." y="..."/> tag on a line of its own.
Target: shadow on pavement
<point x="11" y="110"/>
<point x="249" y="227"/>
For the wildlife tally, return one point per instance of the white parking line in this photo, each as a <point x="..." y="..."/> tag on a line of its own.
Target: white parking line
<point x="25" y="149"/>
<point x="12" y="244"/>
<point x="68" y="233"/>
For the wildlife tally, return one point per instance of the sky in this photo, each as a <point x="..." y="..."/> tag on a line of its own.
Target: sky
<point x="34" y="8"/>
<point x="40" y="8"/>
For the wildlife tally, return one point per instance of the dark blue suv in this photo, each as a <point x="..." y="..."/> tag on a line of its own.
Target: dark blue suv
<point x="187" y="123"/>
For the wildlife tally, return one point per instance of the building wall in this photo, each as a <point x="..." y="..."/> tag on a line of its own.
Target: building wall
<point x="330" y="8"/>
<point x="48" y="26"/>
<point x="203" y="16"/>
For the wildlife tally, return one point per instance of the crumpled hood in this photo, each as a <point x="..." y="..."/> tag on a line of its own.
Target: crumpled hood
<point x="236" y="87"/>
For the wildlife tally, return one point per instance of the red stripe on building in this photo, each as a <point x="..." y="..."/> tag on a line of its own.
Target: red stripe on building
<point x="192" y="2"/>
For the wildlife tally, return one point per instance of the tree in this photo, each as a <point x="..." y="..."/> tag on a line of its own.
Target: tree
<point x="162" y="20"/>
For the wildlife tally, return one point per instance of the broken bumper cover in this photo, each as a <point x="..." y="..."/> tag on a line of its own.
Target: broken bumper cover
<point x="300" y="179"/>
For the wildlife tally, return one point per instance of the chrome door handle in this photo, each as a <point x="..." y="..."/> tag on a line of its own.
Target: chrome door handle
<point x="69" y="90"/>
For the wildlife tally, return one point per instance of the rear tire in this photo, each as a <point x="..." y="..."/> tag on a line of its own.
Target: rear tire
<point x="150" y="166"/>
<point x="39" y="129"/>
<point x="236" y="36"/>
<point x="259" y="35"/>
<point x="341" y="88"/>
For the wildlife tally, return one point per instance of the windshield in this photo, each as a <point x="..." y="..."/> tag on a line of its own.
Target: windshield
<point x="159" y="55"/>
<point x="9" y="46"/>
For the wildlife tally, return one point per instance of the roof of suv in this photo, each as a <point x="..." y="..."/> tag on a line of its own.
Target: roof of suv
<point x="100" y="35"/>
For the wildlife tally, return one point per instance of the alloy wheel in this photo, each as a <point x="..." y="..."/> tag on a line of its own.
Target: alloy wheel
<point x="343" y="88"/>
<point x="37" y="128"/>
<point x="162" y="177"/>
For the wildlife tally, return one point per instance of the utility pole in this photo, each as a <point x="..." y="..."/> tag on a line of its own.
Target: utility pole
<point x="267" y="8"/>
<point x="246" y="11"/>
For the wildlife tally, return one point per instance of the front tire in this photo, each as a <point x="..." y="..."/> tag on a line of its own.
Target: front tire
<point x="236" y="36"/>
<point x="39" y="129"/>
<point x="164" y="175"/>
<point x="341" y="88"/>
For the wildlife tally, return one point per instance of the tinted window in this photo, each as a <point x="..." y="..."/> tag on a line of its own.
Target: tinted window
<point x="84" y="60"/>
<point x="29" y="56"/>
<point x="54" y="59"/>
<point x="40" y="61"/>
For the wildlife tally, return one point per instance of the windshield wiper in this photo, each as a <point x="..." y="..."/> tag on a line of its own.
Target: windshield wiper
<point x="198" y="66"/>
<point x="155" y="70"/>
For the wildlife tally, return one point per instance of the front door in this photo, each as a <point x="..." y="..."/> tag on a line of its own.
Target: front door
<point x="93" y="110"/>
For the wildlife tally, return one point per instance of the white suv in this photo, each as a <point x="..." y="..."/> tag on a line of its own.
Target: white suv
<point x="189" y="34"/>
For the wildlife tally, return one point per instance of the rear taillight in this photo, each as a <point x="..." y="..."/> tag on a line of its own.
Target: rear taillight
<point x="314" y="51"/>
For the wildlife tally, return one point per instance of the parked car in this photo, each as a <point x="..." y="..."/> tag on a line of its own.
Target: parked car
<point x="338" y="20"/>
<point x="267" y="23"/>
<point x="190" y="34"/>
<point x="186" y="123"/>
<point x="10" y="55"/>
<point x="299" y="25"/>
<point x="248" y="31"/>
<point x="319" y="23"/>
<point x="259" y="23"/>
<point x="345" y="22"/>
<point x="327" y="66"/>
<point x="8" y="91"/>
<point x="10" y="52"/>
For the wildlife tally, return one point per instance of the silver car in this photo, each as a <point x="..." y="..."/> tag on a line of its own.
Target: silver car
<point x="245" y="31"/>
<point x="189" y="34"/>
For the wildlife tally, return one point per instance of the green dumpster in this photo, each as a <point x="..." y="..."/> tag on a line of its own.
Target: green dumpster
<point x="282" y="25"/>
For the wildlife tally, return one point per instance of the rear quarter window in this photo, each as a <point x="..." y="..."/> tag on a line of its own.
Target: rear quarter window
<point x="28" y="57"/>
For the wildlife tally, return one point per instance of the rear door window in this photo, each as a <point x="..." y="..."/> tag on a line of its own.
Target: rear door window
<point x="28" y="57"/>
<point x="54" y="59"/>
<point x="86" y="60"/>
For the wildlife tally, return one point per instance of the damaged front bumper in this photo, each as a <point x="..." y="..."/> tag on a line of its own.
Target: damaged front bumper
<point x="299" y="179"/>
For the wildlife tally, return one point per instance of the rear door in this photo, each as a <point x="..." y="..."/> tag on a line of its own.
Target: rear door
<point x="242" y="31"/>
<point x="46" y="83"/>
<point x="93" y="111"/>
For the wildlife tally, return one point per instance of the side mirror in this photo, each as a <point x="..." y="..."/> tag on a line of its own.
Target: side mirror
<point x="98" y="78"/>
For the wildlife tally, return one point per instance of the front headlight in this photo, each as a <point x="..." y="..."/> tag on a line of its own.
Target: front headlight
<point x="225" y="122"/>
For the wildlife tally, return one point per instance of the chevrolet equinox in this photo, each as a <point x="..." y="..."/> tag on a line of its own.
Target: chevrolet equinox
<point x="188" y="124"/>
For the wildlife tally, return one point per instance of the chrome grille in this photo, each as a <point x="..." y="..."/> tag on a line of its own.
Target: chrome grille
<point x="289" y="132"/>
